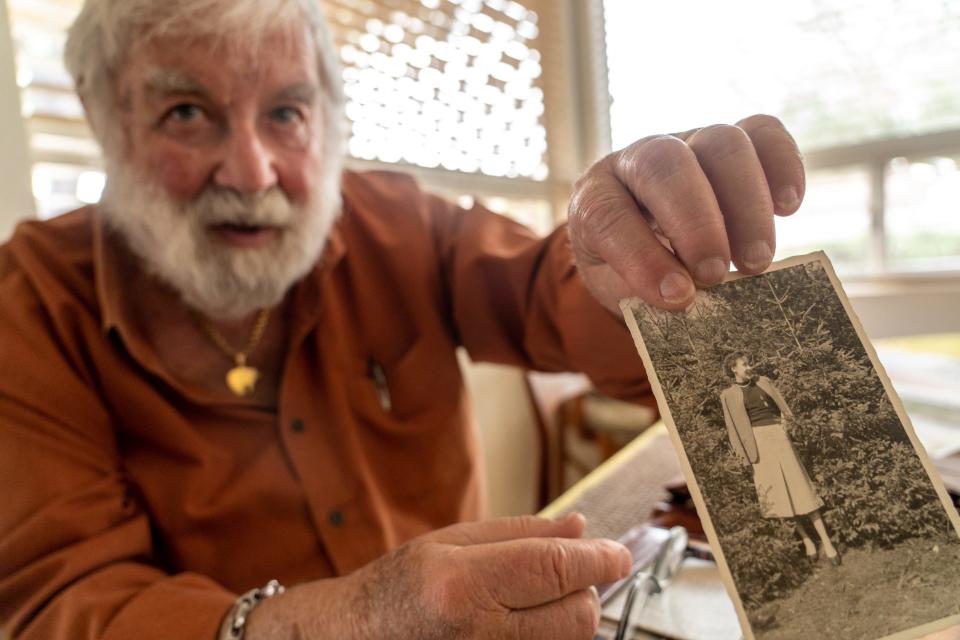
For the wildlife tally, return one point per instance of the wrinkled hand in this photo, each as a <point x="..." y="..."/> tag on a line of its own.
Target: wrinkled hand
<point x="669" y="212"/>
<point x="510" y="578"/>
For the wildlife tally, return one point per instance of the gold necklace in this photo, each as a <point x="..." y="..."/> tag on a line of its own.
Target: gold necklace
<point x="241" y="378"/>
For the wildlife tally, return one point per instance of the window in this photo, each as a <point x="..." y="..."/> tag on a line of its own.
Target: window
<point x="456" y="87"/>
<point x="918" y="193"/>
<point x="835" y="218"/>
<point x="453" y="91"/>
<point x="870" y="89"/>
<point x="64" y="153"/>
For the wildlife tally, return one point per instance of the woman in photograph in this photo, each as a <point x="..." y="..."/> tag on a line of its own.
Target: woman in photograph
<point x="756" y="417"/>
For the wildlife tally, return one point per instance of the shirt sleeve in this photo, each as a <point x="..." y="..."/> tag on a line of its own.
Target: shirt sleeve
<point x="519" y="299"/>
<point x="76" y="552"/>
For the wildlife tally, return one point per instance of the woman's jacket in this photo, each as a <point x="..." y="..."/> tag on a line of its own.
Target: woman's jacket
<point x="738" y="422"/>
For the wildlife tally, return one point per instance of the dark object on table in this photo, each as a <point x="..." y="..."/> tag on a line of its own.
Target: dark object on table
<point x="678" y="510"/>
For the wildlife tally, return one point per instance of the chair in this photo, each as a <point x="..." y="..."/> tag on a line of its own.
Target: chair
<point x="578" y="427"/>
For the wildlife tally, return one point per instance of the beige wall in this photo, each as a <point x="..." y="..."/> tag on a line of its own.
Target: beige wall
<point x="16" y="199"/>
<point x="907" y="306"/>
<point x="507" y="434"/>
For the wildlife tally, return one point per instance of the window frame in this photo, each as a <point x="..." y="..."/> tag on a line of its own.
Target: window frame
<point x="875" y="156"/>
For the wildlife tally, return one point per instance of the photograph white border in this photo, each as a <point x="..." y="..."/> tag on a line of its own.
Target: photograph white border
<point x="628" y="305"/>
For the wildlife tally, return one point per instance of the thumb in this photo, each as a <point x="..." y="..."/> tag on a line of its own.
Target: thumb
<point x="503" y="529"/>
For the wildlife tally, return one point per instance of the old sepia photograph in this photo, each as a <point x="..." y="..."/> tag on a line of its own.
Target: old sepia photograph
<point x="827" y="516"/>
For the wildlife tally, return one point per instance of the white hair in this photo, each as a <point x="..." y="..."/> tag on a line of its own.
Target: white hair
<point x="105" y="31"/>
<point x="171" y="236"/>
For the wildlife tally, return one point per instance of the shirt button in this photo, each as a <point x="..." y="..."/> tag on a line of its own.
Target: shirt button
<point x="335" y="518"/>
<point x="297" y="425"/>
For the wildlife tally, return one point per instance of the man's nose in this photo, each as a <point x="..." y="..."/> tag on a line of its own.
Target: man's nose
<point x="247" y="166"/>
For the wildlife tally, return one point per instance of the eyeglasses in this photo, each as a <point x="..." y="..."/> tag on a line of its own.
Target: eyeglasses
<point x="653" y="577"/>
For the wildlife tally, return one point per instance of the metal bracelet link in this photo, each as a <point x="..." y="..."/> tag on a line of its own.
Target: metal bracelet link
<point x="235" y="623"/>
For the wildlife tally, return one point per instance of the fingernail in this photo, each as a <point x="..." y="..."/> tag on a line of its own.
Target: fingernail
<point x="710" y="271"/>
<point x="676" y="288"/>
<point x="573" y="515"/>
<point x="757" y="255"/>
<point x="788" y="199"/>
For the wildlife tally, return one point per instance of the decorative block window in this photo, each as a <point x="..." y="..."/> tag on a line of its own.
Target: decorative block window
<point x="436" y="83"/>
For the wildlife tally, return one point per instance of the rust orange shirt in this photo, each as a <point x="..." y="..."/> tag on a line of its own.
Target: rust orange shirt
<point x="137" y="507"/>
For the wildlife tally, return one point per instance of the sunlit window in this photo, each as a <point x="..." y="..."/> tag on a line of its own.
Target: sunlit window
<point x="923" y="213"/>
<point x="61" y="187"/>
<point x="839" y="74"/>
<point x="835" y="218"/>
<point x="444" y="84"/>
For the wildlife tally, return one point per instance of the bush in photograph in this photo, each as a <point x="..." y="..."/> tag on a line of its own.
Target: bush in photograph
<point x="763" y="558"/>
<point x="890" y="504"/>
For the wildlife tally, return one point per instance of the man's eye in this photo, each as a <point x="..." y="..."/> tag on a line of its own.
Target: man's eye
<point x="185" y="113"/>
<point x="286" y="115"/>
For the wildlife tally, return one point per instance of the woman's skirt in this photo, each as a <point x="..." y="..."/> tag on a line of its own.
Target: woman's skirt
<point x="783" y="486"/>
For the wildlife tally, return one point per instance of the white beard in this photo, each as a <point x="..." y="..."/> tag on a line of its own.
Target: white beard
<point x="176" y="245"/>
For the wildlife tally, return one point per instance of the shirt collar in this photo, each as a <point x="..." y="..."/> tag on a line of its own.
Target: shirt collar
<point x="110" y="259"/>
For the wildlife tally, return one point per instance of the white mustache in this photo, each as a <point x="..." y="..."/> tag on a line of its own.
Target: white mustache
<point x="216" y="206"/>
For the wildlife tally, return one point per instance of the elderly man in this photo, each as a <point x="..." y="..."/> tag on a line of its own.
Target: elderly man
<point x="239" y="366"/>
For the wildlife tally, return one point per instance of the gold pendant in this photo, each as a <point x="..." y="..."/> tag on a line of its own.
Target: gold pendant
<point x="242" y="379"/>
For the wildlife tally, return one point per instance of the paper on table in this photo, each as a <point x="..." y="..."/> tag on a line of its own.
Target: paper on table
<point x="929" y="385"/>
<point x="620" y="494"/>
<point x="694" y="606"/>
<point x="924" y="377"/>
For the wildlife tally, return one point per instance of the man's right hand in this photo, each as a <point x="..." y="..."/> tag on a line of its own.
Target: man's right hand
<point x="524" y="577"/>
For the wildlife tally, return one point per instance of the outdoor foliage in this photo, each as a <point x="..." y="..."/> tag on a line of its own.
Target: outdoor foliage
<point x="844" y="429"/>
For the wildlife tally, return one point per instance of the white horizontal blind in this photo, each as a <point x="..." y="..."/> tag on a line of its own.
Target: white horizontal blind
<point x="65" y="157"/>
<point x="447" y="84"/>
<point x="52" y="111"/>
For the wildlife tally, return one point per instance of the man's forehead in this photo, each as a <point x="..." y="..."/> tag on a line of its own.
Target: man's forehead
<point x="172" y="80"/>
<point x="189" y="65"/>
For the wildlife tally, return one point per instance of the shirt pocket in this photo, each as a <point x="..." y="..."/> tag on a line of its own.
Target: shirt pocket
<point x="423" y="441"/>
<point x="413" y="392"/>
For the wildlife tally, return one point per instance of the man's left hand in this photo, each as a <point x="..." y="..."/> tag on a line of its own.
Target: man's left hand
<point x="668" y="213"/>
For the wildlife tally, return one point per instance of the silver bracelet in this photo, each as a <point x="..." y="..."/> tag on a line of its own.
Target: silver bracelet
<point x="235" y="623"/>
